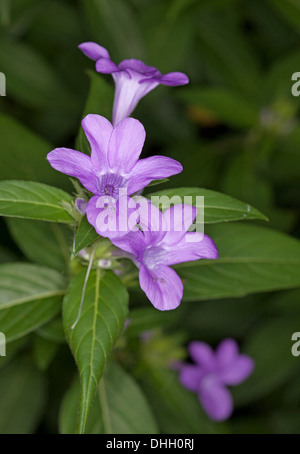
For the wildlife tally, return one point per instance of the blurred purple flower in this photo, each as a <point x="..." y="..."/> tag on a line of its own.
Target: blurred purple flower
<point x="147" y="335"/>
<point x="114" y="163"/>
<point x="214" y="371"/>
<point x="132" y="77"/>
<point x="165" y="242"/>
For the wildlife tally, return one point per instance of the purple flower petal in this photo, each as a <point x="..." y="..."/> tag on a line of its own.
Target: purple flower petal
<point x="103" y="218"/>
<point x="133" y="79"/>
<point x="190" y="377"/>
<point x="81" y="205"/>
<point x="204" y="245"/>
<point x="216" y="400"/>
<point x="93" y="50"/>
<point x="139" y="67"/>
<point x="92" y="212"/>
<point x="75" y="164"/>
<point x="125" y="145"/>
<point x="237" y="371"/>
<point x="128" y="92"/>
<point x="233" y="368"/>
<point x="111" y="218"/>
<point x="106" y="66"/>
<point x="153" y="168"/>
<point x="227" y="352"/>
<point x="151" y="221"/>
<point x="185" y="251"/>
<point x="178" y="219"/>
<point x="202" y="354"/>
<point x="172" y="79"/>
<point x="162" y="286"/>
<point x="98" y="131"/>
<point x="133" y="243"/>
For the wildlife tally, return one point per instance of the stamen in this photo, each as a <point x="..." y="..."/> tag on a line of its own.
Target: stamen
<point x="83" y="288"/>
<point x="110" y="184"/>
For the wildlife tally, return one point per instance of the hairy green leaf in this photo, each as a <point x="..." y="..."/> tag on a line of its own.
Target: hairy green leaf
<point x="217" y="207"/>
<point x="251" y="259"/>
<point x="119" y="407"/>
<point x="41" y="242"/>
<point x="85" y="235"/>
<point x="31" y="200"/>
<point x="23" y="397"/>
<point x="103" y="315"/>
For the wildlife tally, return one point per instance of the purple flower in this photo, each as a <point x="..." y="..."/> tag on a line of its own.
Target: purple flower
<point x="114" y="163"/>
<point x="214" y="371"/>
<point x="132" y="77"/>
<point x="165" y="242"/>
<point x="81" y="205"/>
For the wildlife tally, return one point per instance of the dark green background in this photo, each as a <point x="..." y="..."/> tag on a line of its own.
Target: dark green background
<point x="235" y="128"/>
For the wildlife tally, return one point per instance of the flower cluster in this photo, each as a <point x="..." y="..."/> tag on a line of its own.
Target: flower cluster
<point x="213" y="372"/>
<point x="113" y="172"/>
<point x="114" y="166"/>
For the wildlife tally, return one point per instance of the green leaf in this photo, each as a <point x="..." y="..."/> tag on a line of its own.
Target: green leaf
<point x="22" y="283"/>
<point x="119" y="407"/>
<point x="12" y="348"/>
<point x="99" y="101"/>
<point x="20" y="15"/>
<point x="168" y="43"/>
<point x="225" y="51"/>
<point x="103" y="315"/>
<point x="53" y="331"/>
<point x="31" y="200"/>
<point x="25" y="155"/>
<point x="124" y="408"/>
<point x="251" y="259"/>
<point x="217" y="207"/>
<point x="22" y="403"/>
<point x="58" y="27"/>
<point x="30" y="296"/>
<point x="44" y="243"/>
<point x="157" y="182"/>
<point x="85" y="235"/>
<point x="113" y="23"/>
<point x="69" y="410"/>
<point x="288" y="10"/>
<point x="5" y="13"/>
<point x="270" y="347"/>
<point x="44" y="352"/>
<point x="100" y="97"/>
<point x="178" y="7"/>
<point x="18" y="321"/>
<point x="37" y="85"/>
<point x="223" y="104"/>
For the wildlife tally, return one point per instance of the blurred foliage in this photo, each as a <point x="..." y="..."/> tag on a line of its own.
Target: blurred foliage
<point x="235" y="128"/>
